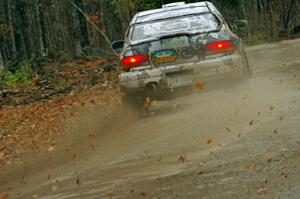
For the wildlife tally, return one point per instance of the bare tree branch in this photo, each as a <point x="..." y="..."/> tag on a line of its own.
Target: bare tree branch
<point x="94" y="25"/>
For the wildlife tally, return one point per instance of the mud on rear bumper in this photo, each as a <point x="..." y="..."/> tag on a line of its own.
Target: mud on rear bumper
<point x="202" y="71"/>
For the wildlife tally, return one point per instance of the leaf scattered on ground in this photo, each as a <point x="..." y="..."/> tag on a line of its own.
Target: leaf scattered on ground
<point x="263" y="191"/>
<point x="4" y="196"/>
<point x="182" y="159"/>
<point x="73" y="156"/>
<point x="265" y="181"/>
<point x="92" y="135"/>
<point x="54" y="188"/>
<point x="209" y="141"/>
<point x="200" y="85"/>
<point x="270" y="160"/>
<point x="38" y="125"/>
<point x="77" y="179"/>
<point x="51" y="147"/>
<point x="251" y="166"/>
<point x="251" y="122"/>
<point x="143" y="194"/>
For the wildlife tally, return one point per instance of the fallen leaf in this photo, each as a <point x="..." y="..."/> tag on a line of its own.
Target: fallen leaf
<point x="270" y="161"/>
<point x="281" y="118"/>
<point x="147" y="102"/>
<point x="73" y="156"/>
<point x="49" y="177"/>
<point x="92" y="135"/>
<point x="263" y="190"/>
<point x="228" y="129"/>
<point x="51" y="147"/>
<point x="251" y="166"/>
<point x="109" y="196"/>
<point x="200" y="173"/>
<point x="77" y="179"/>
<point x="4" y="196"/>
<point x="210" y="141"/>
<point x="143" y="194"/>
<point x="182" y="158"/>
<point x="251" y="122"/>
<point x="275" y="131"/>
<point x="271" y="108"/>
<point x="200" y="85"/>
<point x="54" y="188"/>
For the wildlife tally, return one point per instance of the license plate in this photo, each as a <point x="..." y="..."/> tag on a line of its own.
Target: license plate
<point x="179" y="79"/>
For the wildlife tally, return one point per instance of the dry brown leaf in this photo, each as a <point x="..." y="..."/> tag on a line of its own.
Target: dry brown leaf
<point x="54" y="188"/>
<point x="251" y="122"/>
<point x="143" y="194"/>
<point x="51" y="147"/>
<point x="109" y="196"/>
<point x="210" y="141"/>
<point x="228" y="129"/>
<point x="270" y="161"/>
<point x="263" y="190"/>
<point x="73" y="156"/>
<point x="275" y="131"/>
<point x="182" y="158"/>
<point x="200" y="85"/>
<point x="147" y="102"/>
<point x="77" y="180"/>
<point x="92" y="135"/>
<point x="281" y="118"/>
<point x="251" y="166"/>
<point x="4" y="196"/>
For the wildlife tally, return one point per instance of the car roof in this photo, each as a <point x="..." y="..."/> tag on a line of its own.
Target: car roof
<point x="155" y="14"/>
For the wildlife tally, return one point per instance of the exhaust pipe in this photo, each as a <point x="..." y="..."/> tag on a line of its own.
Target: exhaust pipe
<point x="151" y="87"/>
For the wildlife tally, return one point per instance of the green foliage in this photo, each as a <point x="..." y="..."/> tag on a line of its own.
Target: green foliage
<point x="20" y="76"/>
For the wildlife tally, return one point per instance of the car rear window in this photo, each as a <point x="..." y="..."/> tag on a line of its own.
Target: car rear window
<point x="190" y="23"/>
<point x="152" y="15"/>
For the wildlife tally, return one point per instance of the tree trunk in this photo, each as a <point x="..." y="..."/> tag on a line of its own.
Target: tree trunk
<point x="12" y="29"/>
<point x="39" y="28"/>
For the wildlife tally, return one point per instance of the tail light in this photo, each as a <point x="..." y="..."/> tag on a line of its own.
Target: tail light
<point x="134" y="61"/>
<point x="220" y="47"/>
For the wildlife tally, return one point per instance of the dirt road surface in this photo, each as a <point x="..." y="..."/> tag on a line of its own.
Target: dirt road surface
<point x="226" y="141"/>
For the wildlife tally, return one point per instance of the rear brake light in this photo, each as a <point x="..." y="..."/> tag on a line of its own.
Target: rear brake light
<point x="134" y="61"/>
<point x="220" y="47"/>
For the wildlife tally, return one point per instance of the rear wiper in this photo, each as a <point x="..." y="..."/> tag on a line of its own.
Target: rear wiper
<point x="174" y="35"/>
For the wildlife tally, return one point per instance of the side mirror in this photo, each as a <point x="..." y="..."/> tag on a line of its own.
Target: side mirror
<point x="241" y="24"/>
<point x="118" y="45"/>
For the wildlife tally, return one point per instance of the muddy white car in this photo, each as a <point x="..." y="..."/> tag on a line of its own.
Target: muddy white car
<point x="179" y="46"/>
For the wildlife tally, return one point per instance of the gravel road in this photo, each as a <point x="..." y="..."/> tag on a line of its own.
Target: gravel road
<point x="226" y="141"/>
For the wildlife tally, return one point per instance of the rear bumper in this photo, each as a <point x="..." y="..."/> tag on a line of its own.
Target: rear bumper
<point x="201" y="72"/>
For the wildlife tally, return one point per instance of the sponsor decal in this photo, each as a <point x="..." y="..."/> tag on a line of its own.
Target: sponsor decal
<point x="164" y="56"/>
